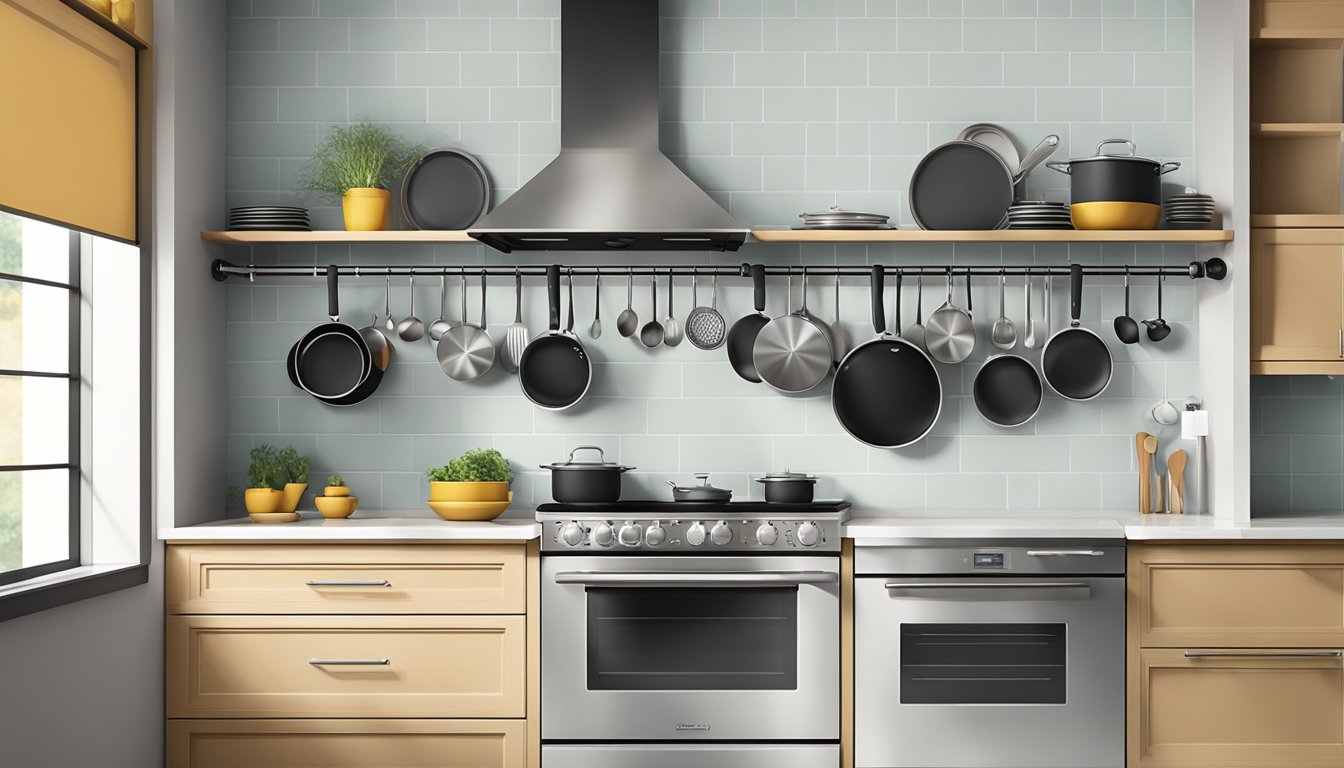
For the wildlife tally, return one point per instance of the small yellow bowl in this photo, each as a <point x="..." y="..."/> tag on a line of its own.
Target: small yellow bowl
<point x="336" y="491"/>
<point x="275" y="517"/>
<point x="336" y="506"/>
<point x="470" y="511"/>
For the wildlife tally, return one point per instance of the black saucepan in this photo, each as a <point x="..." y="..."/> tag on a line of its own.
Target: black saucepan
<point x="1007" y="390"/>
<point x="742" y="336"/>
<point x="1076" y="361"/>
<point x="555" y="370"/>
<point x="886" y="391"/>
<point x="586" y="482"/>
<point x="332" y="359"/>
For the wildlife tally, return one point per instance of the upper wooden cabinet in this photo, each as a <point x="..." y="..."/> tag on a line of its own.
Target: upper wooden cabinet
<point x="1297" y="301"/>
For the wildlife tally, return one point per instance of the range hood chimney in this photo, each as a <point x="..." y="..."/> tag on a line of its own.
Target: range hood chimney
<point x="610" y="187"/>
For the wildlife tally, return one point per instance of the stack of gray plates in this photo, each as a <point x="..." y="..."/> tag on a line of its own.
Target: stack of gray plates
<point x="1188" y="208"/>
<point x="1039" y="215"/>
<point x="838" y="219"/>
<point x="281" y="218"/>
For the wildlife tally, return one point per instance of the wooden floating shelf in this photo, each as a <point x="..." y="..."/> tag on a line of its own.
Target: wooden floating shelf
<point x="771" y="236"/>
<point x="126" y="36"/>
<point x="1298" y="129"/>
<point x="1298" y="220"/>
<point x="1324" y="33"/>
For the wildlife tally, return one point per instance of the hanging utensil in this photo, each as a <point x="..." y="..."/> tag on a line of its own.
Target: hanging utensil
<point x="1007" y="391"/>
<point x="792" y="353"/>
<point x="466" y="352"/>
<point x="515" y="338"/>
<point x="705" y="327"/>
<point x="1157" y="327"/>
<point x="671" y="330"/>
<point x="1076" y="361"/>
<point x="840" y="341"/>
<point x="332" y="359"/>
<point x="628" y="322"/>
<point x="441" y="326"/>
<point x="1126" y="330"/>
<point x="742" y="337"/>
<point x="822" y="328"/>
<point x="555" y="370"/>
<point x="411" y="329"/>
<point x="1004" y="333"/>
<point x="915" y="333"/>
<point x="389" y="325"/>
<point x="1031" y="341"/>
<point x="595" y="330"/>
<point x="951" y="333"/>
<point x="651" y="335"/>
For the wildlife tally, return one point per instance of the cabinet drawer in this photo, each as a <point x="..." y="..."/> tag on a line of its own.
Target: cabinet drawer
<point x="246" y="666"/>
<point x="346" y="743"/>
<point x="1261" y="709"/>
<point x="1237" y="596"/>
<point x="346" y="579"/>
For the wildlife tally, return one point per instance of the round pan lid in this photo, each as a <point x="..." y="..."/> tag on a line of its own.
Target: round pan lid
<point x="447" y="189"/>
<point x="575" y="464"/>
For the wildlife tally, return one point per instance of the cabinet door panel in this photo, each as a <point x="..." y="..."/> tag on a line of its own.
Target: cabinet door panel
<point x="1297" y="294"/>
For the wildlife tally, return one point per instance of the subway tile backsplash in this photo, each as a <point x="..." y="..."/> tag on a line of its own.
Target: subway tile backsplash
<point x="1297" y="445"/>
<point x="774" y="107"/>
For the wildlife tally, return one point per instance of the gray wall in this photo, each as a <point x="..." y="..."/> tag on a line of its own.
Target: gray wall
<point x="1297" y="445"/>
<point x="775" y="107"/>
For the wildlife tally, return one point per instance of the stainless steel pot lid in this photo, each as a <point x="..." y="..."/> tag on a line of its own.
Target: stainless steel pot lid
<point x="703" y="488"/>
<point x="575" y="464"/>
<point x="790" y="478"/>
<point x="1131" y="157"/>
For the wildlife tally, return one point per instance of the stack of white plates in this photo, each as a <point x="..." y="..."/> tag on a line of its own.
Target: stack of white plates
<point x="838" y="219"/>
<point x="1188" y="208"/>
<point x="1039" y="215"/>
<point x="281" y="218"/>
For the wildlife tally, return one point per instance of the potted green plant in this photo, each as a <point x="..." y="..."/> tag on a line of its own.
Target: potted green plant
<point x="336" y="501"/>
<point x="357" y="164"/>
<point x="477" y="475"/>
<point x="335" y="486"/>
<point x="263" y="495"/>
<point x="294" y="473"/>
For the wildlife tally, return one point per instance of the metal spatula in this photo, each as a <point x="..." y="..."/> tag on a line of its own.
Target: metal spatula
<point x="515" y="338"/>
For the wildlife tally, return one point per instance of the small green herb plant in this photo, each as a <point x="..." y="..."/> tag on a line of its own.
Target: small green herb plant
<point x="483" y="465"/>
<point x="335" y="481"/>
<point x="360" y="154"/>
<point x="293" y="467"/>
<point x="263" y="468"/>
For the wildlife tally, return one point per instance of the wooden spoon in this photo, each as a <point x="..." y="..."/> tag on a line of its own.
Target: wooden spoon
<point x="1176" y="471"/>
<point x="1150" y="448"/>
<point x="1145" y="470"/>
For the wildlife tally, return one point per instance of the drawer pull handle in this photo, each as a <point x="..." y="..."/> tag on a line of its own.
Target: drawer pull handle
<point x="340" y="583"/>
<point x="1263" y="655"/>
<point x="349" y="662"/>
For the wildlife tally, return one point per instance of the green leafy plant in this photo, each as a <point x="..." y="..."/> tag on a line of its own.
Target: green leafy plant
<point x="293" y="467"/>
<point x="483" y="465"/>
<point x="263" y="469"/>
<point x="357" y="155"/>
<point x="335" y="481"/>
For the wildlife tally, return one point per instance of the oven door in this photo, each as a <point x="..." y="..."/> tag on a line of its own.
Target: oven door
<point x="690" y="755"/>
<point x="985" y="672"/>
<point x="690" y="648"/>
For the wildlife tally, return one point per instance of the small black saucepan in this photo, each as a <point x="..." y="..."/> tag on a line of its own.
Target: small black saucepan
<point x="788" y="487"/>
<point x="742" y="336"/>
<point x="1076" y="361"/>
<point x="555" y="370"/>
<point x="332" y="359"/>
<point x="586" y="482"/>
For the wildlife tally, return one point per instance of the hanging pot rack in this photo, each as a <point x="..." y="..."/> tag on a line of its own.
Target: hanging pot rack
<point x="1214" y="269"/>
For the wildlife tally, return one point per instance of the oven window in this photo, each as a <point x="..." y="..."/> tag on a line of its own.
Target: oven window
<point x="700" y="639"/>
<point x="983" y="663"/>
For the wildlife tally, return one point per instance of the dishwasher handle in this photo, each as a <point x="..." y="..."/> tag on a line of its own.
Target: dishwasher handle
<point x="1065" y="553"/>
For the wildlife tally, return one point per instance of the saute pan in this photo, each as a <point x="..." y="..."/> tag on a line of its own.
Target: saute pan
<point x="555" y="370"/>
<point x="1076" y="361"/>
<point x="742" y="336"/>
<point x="332" y="359"/>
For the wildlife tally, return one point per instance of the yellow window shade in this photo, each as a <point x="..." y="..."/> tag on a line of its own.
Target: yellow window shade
<point x="67" y="119"/>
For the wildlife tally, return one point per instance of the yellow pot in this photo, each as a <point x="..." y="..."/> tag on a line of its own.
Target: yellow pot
<point x="292" y="494"/>
<point x="336" y="507"/>
<point x="336" y="490"/>
<point x="102" y="6"/>
<point x="123" y="14"/>
<point x="262" y="501"/>
<point x="1115" y="215"/>
<point x="365" y="209"/>
<point x="468" y="491"/>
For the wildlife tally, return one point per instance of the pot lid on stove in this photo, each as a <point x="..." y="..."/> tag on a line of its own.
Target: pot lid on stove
<point x="575" y="464"/>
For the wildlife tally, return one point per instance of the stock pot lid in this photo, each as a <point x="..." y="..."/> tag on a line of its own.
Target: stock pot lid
<point x="575" y="464"/>
<point x="1129" y="158"/>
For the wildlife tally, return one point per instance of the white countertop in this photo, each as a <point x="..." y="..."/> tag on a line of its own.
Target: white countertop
<point x="379" y="527"/>
<point x="877" y="528"/>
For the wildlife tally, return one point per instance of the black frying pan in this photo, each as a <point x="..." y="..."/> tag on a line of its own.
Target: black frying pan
<point x="1007" y="391"/>
<point x="886" y="391"/>
<point x="555" y="370"/>
<point x="381" y="353"/>
<point x="966" y="185"/>
<point x="742" y="336"/>
<point x="332" y="359"/>
<point x="1076" y="361"/>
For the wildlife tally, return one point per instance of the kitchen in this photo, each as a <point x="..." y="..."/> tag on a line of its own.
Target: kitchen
<point x="950" y="506"/>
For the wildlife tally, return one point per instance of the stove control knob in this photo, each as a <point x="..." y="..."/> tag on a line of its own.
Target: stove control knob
<point x="572" y="534"/>
<point x="630" y="534"/>
<point x="767" y="535"/>
<point x="808" y="534"/>
<point x="603" y="534"/>
<point x="720" y="534"/>
<point x="655" y="535"/>
<point x="695" y="535"/>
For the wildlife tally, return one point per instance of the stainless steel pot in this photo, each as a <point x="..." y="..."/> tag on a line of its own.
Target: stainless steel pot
<point x="586" y="482"/>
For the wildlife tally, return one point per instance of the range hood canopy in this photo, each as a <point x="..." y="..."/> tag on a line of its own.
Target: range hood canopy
<point x="610" y="187"/>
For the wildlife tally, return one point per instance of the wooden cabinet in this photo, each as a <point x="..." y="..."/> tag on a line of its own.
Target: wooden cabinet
<point x="1235" y="656"/>
<point x="1297" y="301"/>
<point x="352" y="655"/>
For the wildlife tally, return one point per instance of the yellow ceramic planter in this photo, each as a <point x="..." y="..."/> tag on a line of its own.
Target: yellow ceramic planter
<point x="365" y="209"/>
<point x="336" y="490"/>
<point x="335" y="507"/>
<point x="262" y="501"/>
<point x="470" y="511"/>
<point x="292" y="494"/>
<point x="475" y="492"/>
<point x="102" y="6"/>
<point x="123" y="14"/>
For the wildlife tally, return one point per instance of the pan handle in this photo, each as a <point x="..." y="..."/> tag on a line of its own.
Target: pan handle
<point x="1075" y="292"/>
<point x="968" y="291"/>
<point x="879" y="276"/>
<point x="1062" y="166"/>
<point x="1043" y="150"/>
<point x="1167" y="168"/>
<point x="900" y="277"/>
<point x="758" y="286"/>
<point x="553" y="295"/>
<point x="333" y="297"/>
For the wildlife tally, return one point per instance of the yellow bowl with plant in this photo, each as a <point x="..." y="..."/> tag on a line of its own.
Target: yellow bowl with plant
<point x="477" y="476"/>
<point x="335" y="487"/>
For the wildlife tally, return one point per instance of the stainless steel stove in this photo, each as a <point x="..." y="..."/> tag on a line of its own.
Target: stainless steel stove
<point x="683" y="634"/>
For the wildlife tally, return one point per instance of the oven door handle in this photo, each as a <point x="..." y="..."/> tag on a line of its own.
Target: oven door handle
<point x="1062" y="589"/>
<point x="693" y="579"/>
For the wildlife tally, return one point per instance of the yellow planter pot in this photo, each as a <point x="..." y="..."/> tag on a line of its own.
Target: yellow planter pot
<point x="123" y="14"/>
<point x="335" y="507"/>
<point x="439" y="491"/>
<point x="102" y="6"/>
<point x="293" y="493"/>
<point x="336" y="490"/>
<point x="262" y="501"/>
<point x="365" y="209"/>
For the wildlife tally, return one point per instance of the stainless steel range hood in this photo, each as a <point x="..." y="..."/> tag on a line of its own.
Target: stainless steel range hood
<point x="610" y="187"/>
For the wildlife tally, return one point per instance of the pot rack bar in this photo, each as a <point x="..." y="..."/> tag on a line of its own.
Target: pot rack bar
<point x="1214" y="268"/>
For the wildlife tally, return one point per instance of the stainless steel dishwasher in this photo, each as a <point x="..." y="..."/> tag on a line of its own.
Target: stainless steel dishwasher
<point x="988" y="654"/>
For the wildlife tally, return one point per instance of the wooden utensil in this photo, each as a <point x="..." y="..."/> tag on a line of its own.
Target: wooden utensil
<point x="1176" y="471"/>
<point x="1145" y="472"/>
<point x="1150" y="448"/>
